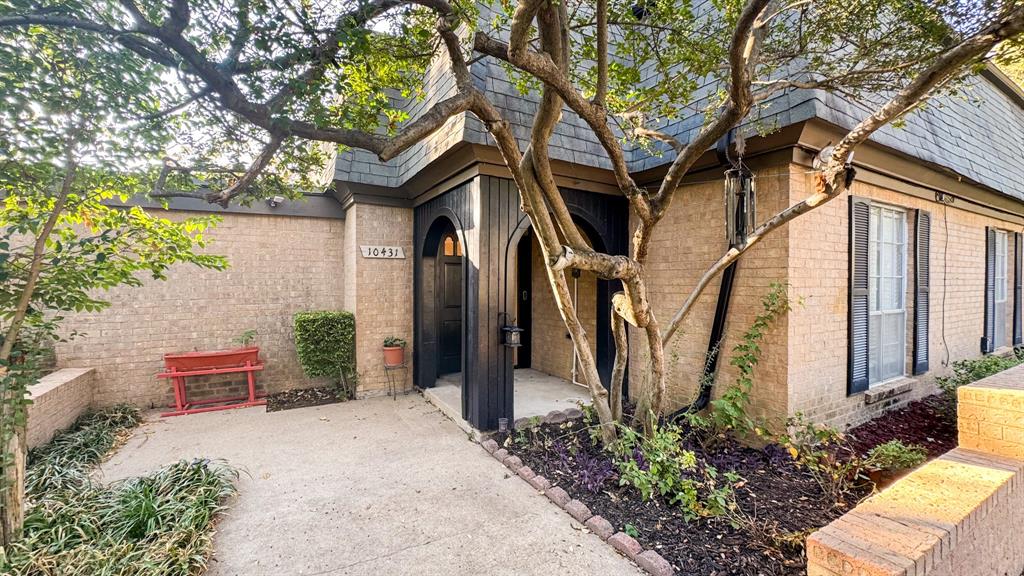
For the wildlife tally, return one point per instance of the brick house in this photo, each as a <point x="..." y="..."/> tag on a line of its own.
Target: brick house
<point x="919" y="267"/>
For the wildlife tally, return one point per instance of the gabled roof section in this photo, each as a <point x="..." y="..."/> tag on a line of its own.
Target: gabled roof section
<point x="979" y="134"/>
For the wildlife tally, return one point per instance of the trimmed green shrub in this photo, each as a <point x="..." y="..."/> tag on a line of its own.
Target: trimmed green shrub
<point x="326" y="343"/>
<point x="972" y="370"/>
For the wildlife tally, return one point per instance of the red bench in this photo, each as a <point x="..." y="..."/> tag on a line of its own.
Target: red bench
<point x="181" y="366"/>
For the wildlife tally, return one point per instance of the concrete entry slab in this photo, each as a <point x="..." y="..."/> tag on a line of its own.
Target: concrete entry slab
<point x="377" y="486"/>
<point x="536" y="394"/>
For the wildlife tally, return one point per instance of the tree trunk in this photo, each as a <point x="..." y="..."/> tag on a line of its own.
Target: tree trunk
<point x="13" y="487"/>
<point x="12" y="514"/>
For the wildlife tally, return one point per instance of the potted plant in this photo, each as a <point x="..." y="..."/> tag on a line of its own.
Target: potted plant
<point x="394" y="351"/>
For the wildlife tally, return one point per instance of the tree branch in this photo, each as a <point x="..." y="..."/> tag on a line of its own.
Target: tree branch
<point x="224" y="196"/>
<point x="837" y="173"/>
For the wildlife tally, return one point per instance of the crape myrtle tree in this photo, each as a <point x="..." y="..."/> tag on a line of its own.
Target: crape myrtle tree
<point x="281" y="74"/>
<point x="76" y="117"/>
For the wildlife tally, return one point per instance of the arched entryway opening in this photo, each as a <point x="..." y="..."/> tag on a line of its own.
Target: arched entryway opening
<point x="546" y="371"/>
<point x="441" y="308"/>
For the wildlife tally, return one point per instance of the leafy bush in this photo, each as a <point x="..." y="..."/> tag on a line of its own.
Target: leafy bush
<point x="156" y="525"/>
<point x="826" y="455"/>
<point x="895" y="455"/>
<point x="326" y="343"/>
<point x="656" y="464"/>
<point x="974" y="369"/>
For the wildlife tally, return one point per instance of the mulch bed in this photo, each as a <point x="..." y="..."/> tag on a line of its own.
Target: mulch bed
<point x="929" y="423"/>
<point x="785" y="502"/>
<point x="304" y="398"/>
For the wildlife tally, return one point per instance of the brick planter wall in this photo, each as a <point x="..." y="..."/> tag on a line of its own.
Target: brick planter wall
<point x="958" y="515"/>
<point x="57" y="400"/>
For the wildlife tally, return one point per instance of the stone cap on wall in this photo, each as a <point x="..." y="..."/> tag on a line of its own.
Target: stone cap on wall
<point x="58" y="399"/>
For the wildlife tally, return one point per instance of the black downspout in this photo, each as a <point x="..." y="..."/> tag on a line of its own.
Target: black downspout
<point x="707" y="377"/>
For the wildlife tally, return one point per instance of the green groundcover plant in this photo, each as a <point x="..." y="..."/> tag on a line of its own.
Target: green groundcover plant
<point x="160" y="524"/>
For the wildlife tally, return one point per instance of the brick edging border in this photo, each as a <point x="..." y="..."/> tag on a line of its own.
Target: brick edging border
<point x="623" y="543"/>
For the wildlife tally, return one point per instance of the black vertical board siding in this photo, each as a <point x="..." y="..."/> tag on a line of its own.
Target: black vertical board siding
<point x="859" y="303"/>
<point x="988" y="339"/>
<point x="456" y="206"/>
<point x="492" y="210"/>
<point x="1017" y="261"/>
<point x="489" y="247"/>
<point x="922" y="281"/>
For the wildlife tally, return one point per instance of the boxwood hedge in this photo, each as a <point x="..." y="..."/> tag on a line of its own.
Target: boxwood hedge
<point x="326" y="343"/>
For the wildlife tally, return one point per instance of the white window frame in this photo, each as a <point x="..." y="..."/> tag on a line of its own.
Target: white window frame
<point x="1001" y="287"/>
<point x="875" y="314"/>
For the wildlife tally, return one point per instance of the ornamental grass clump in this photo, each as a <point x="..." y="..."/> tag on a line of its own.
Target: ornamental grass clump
<point x="160" y="524"/>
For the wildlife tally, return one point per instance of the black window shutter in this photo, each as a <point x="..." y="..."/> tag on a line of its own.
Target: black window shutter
<point x="1017" y="336"/>
<point x="922" y="282"/>
<point x="988" y="339"/>
<point x="860" y="220"/>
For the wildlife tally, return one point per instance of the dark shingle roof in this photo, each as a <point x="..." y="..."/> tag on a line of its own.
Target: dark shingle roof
<point x="979" y="134"/>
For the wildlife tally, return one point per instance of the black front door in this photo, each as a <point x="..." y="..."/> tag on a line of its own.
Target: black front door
<point x="524" y="284"/>
<point x="449" y="293"/>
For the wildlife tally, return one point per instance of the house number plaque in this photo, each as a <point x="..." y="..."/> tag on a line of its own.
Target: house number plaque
<point x="382" y="252"/>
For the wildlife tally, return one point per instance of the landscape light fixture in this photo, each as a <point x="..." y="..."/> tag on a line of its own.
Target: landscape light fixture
<point x="740" y="203"/>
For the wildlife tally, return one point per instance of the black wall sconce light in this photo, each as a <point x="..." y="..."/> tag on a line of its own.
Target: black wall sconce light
<point x="511" y="335"/>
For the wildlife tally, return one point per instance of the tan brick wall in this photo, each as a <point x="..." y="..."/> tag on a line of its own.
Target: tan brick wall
<point x="689" y="239"/>
<point x="58" y="399"/>
<point x="379" y="290"/>
<point x="990" y="414"/>
<point x="552" y="350"/>
<point x="818" y="272"/>
<point x="278" y="266"/>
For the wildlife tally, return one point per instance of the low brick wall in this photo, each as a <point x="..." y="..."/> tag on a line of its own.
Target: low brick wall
<point x="57" y="400"/>
<point x="961" y="514"/>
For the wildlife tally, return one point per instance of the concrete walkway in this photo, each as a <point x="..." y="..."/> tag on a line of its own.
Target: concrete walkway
<point x="377" y="487"/>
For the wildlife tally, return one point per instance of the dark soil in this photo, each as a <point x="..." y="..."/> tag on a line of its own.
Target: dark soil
<point x="929" y="423"/>
<point x="304" y="398"/>
<point x="784" y="502"/>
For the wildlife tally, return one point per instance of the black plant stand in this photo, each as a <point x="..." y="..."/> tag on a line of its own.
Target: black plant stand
<point x="395" y="377"/>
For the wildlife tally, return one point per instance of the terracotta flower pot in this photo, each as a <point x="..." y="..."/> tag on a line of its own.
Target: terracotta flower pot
<point x="394" y="355"/>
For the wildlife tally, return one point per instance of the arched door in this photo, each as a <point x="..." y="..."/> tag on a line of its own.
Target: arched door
<point x="449" y="304"/>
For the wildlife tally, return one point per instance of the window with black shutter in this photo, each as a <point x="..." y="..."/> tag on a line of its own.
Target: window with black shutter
<point x="922" y="283"/>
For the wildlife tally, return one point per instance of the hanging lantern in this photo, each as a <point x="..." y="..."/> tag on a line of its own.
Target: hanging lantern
<point x="740" y="203"/>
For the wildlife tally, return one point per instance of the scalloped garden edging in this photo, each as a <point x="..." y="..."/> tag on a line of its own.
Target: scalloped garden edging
<point x="649" y="560"/>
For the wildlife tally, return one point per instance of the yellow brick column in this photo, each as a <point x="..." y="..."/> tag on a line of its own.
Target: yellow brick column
<point x="379" y="290"/>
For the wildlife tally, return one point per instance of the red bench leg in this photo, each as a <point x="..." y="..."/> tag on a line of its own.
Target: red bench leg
<point x="178" y="390"/>
<point x="252" y="382"/>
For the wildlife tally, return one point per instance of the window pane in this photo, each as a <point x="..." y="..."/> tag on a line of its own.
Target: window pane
<point x="874" y="339"/>
<point x="888" y="262"/>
